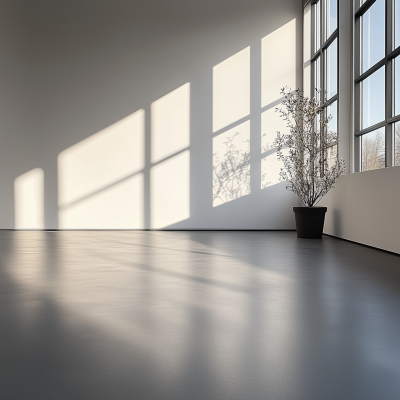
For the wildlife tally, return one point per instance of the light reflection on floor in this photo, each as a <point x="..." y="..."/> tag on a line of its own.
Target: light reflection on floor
<point x="196" y="315"/>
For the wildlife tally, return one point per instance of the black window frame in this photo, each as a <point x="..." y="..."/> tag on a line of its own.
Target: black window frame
<point x="321" y="53"/>
<point x="388" y="63"/>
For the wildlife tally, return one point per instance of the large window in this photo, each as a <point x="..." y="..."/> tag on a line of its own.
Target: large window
<point x="324" y="75"/>
<point x="377" y="84"/>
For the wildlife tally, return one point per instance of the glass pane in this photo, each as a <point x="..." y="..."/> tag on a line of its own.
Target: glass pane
<point x="373" y="35"/>
<point x="318" y="123"/>
<point x="397" y="86"/>
<point x="332" y="128"/>
<point x="373" y="98"/>
<point x="332" y="156"/>
<point x="396" y="23"/>
<point x="317" y="26"/>
<point x="332" y="111"/>
<point x="331" y="17"/>
<point x="397" y="143"/>
<point x="331" y="70"/>
<point x="317" y="77"/>
<point x="373" y="150"/>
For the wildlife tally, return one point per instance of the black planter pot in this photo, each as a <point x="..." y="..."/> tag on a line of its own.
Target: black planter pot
<point x="309" y="221"/>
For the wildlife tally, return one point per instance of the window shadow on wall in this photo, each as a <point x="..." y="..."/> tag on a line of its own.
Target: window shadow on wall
<point x="199" y="154"/>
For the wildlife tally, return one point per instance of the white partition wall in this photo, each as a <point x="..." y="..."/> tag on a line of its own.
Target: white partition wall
<point x="147" y="115"/>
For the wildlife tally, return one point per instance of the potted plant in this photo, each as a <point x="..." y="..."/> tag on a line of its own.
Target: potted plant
<point x="311" y="164"/>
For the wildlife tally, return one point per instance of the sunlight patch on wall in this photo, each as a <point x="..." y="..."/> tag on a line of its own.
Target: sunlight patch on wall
<point x="101" y="160"/>
<point x="278" y="62"/>
<point x="231" y="89"/>
<point x="271" y="123"/>
<point x="117" y="207"/>
<point x="170" y="123"/>
<point x="29" y="200"/>
<point x="170" y="191"/>
<point x="231" y="164"/>
<point x="270" y="169"/>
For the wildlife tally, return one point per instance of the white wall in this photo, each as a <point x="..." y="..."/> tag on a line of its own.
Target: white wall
<point x="124" y="105"/>
<point x="364" y="207"/>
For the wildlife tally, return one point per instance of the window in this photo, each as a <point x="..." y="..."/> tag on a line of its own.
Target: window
<point x="324" y="59"/>
<point x="377" y="84"/>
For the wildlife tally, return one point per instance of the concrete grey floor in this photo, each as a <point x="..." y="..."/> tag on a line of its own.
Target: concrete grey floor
<point x="196" y="315"/>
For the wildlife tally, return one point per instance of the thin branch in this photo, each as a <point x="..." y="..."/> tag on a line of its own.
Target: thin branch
<point x="306" y="171"/>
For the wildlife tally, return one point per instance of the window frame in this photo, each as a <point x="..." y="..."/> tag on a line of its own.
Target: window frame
<point x="388" y="63"/>
<point x="321" y="53"/>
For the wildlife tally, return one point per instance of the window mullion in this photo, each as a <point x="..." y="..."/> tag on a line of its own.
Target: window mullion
<point x="363" y="8"/>
<point x="322" y="58"/>
<point x="357" y="94"/>
<point x="389" y="151"/>
<point x="313" y="48"/>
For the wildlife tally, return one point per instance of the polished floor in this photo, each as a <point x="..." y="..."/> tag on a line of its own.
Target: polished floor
<point x="196" y="315"/>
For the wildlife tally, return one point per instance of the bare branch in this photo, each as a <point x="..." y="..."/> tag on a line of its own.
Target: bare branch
<point x="307" y="170"/>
